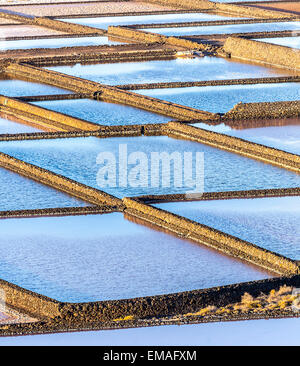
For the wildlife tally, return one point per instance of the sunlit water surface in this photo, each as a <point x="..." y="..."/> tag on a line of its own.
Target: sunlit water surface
<point x="271" y="223"/>
<point x="77" y="158"/>
<point x="84" y="258"/>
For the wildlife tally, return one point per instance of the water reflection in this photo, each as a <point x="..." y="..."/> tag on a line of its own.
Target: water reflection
<point x="272" y="223"/>
<point x="83" y="258"/>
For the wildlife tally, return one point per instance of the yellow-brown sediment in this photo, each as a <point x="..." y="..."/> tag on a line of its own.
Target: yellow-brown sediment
<point x="263" y="52"/>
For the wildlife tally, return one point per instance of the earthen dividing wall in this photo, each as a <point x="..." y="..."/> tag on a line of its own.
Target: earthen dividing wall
<point x="11" y="105"/>
<point x="28" y="301"/>
<point x="263" y="52"/>
<point x="250" y="149"/>
<point x="184" y="84"/>
<point x="250" y="111"/>
<point x="59" y="211"/>
<point x="211" y="237"/>
<point x="240" y="10"/>
<point x="228" y="195"/>
<point x="51" y="23"/>
<point x="148" y="37"/>
<point x="67" y="27"/>
<point x="109" y="93"/>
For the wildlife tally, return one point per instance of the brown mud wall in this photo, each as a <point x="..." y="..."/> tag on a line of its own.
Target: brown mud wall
<point x="58" y="181"/>
<point x="29" y="302"/>
<point x="102" y="132"/>
<point x="234" y="9"/>
<point x="44" y="117"/>
<point x="51" y="23"/>
<point x="148" y="37"/>
<point x="216" y="239"/>
<point x="170" y="304"/>
<point x="184" y="84"/>
<point x="67" y="27"/>
<point x="266" y="110"/>
<point x="207" y="23"/>
<point x="210" y="196"/>
<point x="249" y="149"/>
<point x="59" y="211"/>
<point x="262" y="52"/>
<point x="108" y="93"/>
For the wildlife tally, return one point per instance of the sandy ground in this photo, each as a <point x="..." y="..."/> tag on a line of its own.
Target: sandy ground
<point x="25" y="2"/>
<point x="28" y="30"/>
<point x="290" y="7"/>
<point x="7" y="21"/>
<point x="85" y="8"/>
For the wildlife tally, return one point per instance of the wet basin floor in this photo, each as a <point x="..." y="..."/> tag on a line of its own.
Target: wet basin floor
<point x="188" y="69"/>
<point x="20" y="193"/>
<point x="220" y="99"/>
<point x="108" y="114"/>
<point x="100" y="163"/>
<point x="83" y="258"/>
<point x="271" y="223"/>
<point x="284" y="137"/>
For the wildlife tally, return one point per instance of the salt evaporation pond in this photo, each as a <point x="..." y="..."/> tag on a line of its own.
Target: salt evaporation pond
<point x="271" y="223"/>
<point x="55" y="43"/>
<point x="12" y="127"/>
<point x="104" y="22"/>
<point x="220" y="99"/>
<point x="108" y="114"/>
<point x="84" y="258"/>
<point x="226" y="29"/>
<point x="293" y="42"/>
<point x="20" y="193"/>
<point x="188" y="69"/>
<point x="285" y="137"/>
<point x="18" y="88"/>
<point x="76" y="158"/>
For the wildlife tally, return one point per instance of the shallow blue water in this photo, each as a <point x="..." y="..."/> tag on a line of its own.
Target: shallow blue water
<point x="206" y="68"/>
<point x="285" y="138"/>
<point x="293" y="42"/>
<point x="220" y="99"/>
<point x="104" y="22"/>
<point x="226" y="29"/>
<point x="20" y="193"/>
<point x="84" y="258"/>
<point x="7" y="126"/>
<point x="76" y="158"/>
<point x="271" y="223"/>
<point x="55" y="43"/>
<point x="108" y="114"/>
<point x="18" y="88"/>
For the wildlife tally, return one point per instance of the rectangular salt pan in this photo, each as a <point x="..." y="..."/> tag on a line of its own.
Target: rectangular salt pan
<point x="226" y="29"/>
<point x="285" y="137"/>
<point x="104" y="22"/>
<point x="83" y="258"/>
<point x="220" y="99"/>
<point x="108" y="114"/>
<point x="271" y="223"/>
<point x="79" y="159"/>
<point x="20" y="193"/>
<point x="187" y="69"/>
<point x="18" y="88"/>
<point x="55" y="43"/>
